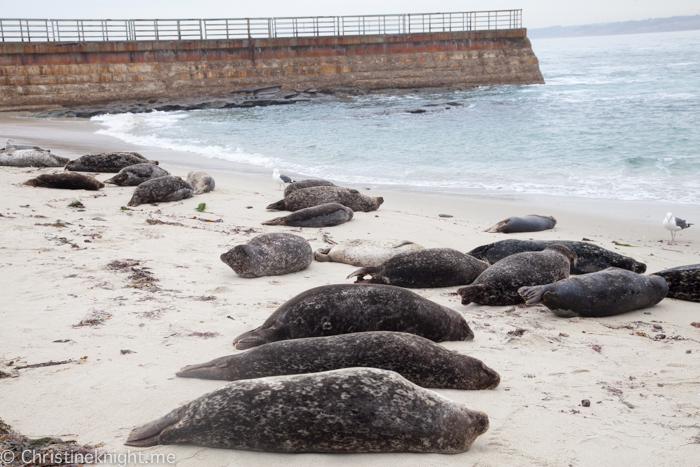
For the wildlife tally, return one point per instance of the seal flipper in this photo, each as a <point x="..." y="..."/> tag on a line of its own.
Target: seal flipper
<point x="208" y="370"/>
<point x="322" y="255"/>
<point x="496" y="228"/>
<point x="255" y="338"/>
<point x="532" y="294"/>
<point x="278" y="206"/>
<point x="362" y="272"/>
<point x="149" y="434"/>
<point x="471" y="292"/>
<point x="481" y="252"/>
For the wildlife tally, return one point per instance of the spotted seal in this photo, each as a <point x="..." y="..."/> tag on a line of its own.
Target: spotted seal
<point x="323" y="215"/>
<point x="66" y="181"/>
<point x="365" y="252"/>
<point x="416" y="358"/>
<point x="498" y="285"/>
<point x="108" y="162"/>
<point x="201" y="181"/>
<point x="160" y="190"/>
<point x="683" y="282"/>
<point x="590" y="257"/>
<point x="269" y="254"/>
<point x="292" y="187"/>
<point x="31" y="158"/>
<point x="340" y="411"/>
<point x="432" y="267"/>
<point x="603" y="293"/>
<point x="346" y="308"/>
<point x="529" y="223"/>
<point x="136" y="174"/>
<point x="313" y="196"/>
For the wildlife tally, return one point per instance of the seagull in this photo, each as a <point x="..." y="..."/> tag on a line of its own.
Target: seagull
<point x="8" y="145"/>
<point x="674" y="224"/>
<point x="281" y="179"/>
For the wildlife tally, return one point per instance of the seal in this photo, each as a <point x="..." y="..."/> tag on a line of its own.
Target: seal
<point x="201" y="181"/>
<point x="365" y="252"/>
<point x="161" y="189"/>
<point x="603" y="293"/>
<point x="683" y="282"/>
<point x="432" y="267"/>
<point x="590" y="257"/>
<point x="66" y="181"/>
<point x="499" y="284"/>
<point x="330" y="310"/>
<point x="529" y="223"/>
<point x="31" y="158"/>
<point x="323" y="215"/>
<point x="271" y="254"/>
<point x="416" y="358"/>
<point x="136" y="174"/>
<point x="340" y="411"/>
<point x="108" y="162"/>
<point x="313" y="196"/>
<point x="292" y="187"/>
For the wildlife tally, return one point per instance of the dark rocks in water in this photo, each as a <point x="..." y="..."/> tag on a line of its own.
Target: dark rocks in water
<point x="107" y="162"/>
<point x="66" y="181"/>
<point x="683" y="282"/>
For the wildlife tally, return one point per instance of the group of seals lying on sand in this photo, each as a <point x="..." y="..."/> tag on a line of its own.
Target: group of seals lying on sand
<point x="66" y="181"/>
<point x="365" y="252"/>
<point x="531" y="223"/>
<point x="269" y="254"/>
<point x="161" y="189"/>
<point x="136" y="174"/>
<point x="315" y="195"/>
<point x="109" y="162"/>
<point x="323" y="215"/>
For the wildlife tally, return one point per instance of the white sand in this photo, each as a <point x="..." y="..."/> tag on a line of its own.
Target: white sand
<point x="645" y="394"/>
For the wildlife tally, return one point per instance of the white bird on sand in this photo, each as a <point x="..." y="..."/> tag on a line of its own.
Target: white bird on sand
<point x="281" y="179"/>
<point x="674" y="224"/>
<point x="8" y="145"/>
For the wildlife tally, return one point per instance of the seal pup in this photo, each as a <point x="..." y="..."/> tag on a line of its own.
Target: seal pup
<point x="330" y="310"/>
<point x="108" y="162"/>
<point x="499" y="284"/>
<point x="66" y="181"/>
<point x="416" y="358"/>
<point x="432" y="267"/>
<point x="201" y="181"/>
<point x="315" y="195"/>
<point x="135" y="175"/>
<point x="294" y="186"/>
<point x="365" y="252"/>
<point x="323" y="215"/>
<point x="529" y="223"/>
<point x="683" y="282"/>
<point x="590" y="257"/>
<point x="271" y="254"/>
<point x="673" y="225"/>
<point x="604" y="293"/>
<point x="340" y="411"/>
<point x="161" y="189"/>
<point x="31" y="158"/>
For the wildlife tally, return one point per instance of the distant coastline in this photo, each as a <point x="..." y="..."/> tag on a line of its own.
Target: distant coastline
<point x="675" y="23"/>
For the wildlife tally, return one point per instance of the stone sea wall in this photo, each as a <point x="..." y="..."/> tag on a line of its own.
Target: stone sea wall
<point x="44" y="75"/>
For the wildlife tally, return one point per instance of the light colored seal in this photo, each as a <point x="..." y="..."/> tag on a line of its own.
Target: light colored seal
<point x="31" y="158"/>
<point x="499" y="284"/>
<point x="341" y="411"/>
<point x="432" y="267"/>
<point x="313" y="196"/>
<point x="66" y="181"/>
<point x="135" y="175"/>
<point x="368" y="253"/>
<point x="604" y="293"/>
<point x="530" y="223"/>
<point x="292" y="187"/>
<point x="201" y="181"/>
<point x="161" y="189"/>
<point x="271" y="254"/>
<point x="590" y="257"/>
<point x="330" y="310"/>
<point x="323" y="215"/>
<point x="683" y="282"/>
<point x="417" y="359"/>
<point x="108" y="162"/>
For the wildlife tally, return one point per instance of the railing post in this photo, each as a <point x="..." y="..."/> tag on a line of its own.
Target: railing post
<point x="202" y="30"/>
<point x="248" y="22"/>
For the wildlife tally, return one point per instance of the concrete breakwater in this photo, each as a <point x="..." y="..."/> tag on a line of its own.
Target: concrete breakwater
<point x="54" y="74"/>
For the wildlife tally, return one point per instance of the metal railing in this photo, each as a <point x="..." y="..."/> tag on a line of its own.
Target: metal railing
<point x="78" y="30"/>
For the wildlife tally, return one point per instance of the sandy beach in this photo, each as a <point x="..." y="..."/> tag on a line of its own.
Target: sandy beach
<point x="61" y="302"/>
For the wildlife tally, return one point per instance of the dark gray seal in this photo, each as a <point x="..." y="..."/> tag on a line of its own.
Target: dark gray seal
<point x="529" y="223"/>
<point x="432" y="267"/>
<point x="270" y="254"/>
<point x="136" y="174"/>
<point x="161" y="189"/>
<point x="341" y="411"/>
<point x="417" y="359"/>
<point x="31" y="158"/>
<point x="323" y="215"/>
<point x="683" y="282"/>
<point x="313" y="196"/>
<point x="108" y="162"/>
<point x="590" y="257"/>
<point x="604" y="293"/>
<point x="292" y="187"/>
<point x="66" y="181"/>
<point x="499" y="284"/>
<point x="330" y="310"/>
<point x="201" y="181"/>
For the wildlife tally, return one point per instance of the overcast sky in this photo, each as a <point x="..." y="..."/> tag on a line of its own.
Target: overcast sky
<point x="536" y="13"/>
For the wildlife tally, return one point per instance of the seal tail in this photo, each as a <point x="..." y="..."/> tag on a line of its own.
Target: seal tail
<point x="533" y="294"/>
<point x="322" y="255"/>
<point x="110" y="181"/>
<point x="149" y="434"/>
<point x="362" y="272"/>
<point x="208" y="370"/>
<point x="496" y="228"/>
<point x="278" y="206"/>
<point x="480" y="252"/>
<point x="471" y="292"/>
<point x="255" y="338"/>
<point x="276" y="221"/>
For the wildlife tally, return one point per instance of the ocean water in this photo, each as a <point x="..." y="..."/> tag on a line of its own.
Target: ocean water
<point x="618" y="118"/>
